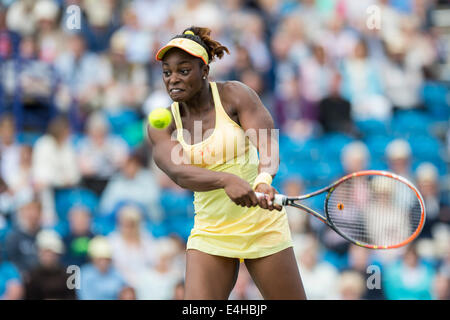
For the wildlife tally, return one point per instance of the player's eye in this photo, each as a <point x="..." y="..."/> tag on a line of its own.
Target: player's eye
<point x="184" y="71"/>
<point x="166" y="73"/>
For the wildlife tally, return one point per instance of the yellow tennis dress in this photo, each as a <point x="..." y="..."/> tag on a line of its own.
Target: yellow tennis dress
<point x="220" y="226"/>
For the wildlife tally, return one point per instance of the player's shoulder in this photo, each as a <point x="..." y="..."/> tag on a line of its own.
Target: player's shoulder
<point x="233" y="92"/>
<point x="231" y="86"/>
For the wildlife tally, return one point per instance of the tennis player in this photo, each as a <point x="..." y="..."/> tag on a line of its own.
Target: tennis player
<point x="231" y="224"/>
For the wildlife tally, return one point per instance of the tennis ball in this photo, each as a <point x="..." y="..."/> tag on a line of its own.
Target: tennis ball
<point x="160" y="118"/>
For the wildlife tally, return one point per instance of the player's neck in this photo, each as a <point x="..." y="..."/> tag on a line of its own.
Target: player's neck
<point x="200" y="103"/>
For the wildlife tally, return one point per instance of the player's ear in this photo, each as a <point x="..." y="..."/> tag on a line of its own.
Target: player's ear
<point x="205" y="70"/>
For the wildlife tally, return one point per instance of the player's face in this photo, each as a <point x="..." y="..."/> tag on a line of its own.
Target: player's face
<point x="182" y="74"/>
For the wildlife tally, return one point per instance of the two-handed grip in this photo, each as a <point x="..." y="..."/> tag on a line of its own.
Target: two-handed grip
<point x="278" y="199"/>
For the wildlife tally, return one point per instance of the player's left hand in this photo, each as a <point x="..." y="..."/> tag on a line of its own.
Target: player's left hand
<point x="267" y="202"/>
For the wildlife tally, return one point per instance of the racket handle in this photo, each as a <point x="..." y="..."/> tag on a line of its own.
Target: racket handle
<point x="279" y="199"/>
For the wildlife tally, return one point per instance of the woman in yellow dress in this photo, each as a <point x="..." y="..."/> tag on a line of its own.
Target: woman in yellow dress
<point x="212" y="148"/>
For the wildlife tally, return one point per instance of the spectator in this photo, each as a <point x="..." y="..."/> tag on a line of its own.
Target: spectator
<point x="50" y="38"/>
<point x="315" y="80"/>
<point x="20" y="243"/>
<point x="427" y="179"/>
<point x="355" y="157"/>
<point x="245" y="288"/>
<point x="159" y="281"/>
<point x="441" y="287"/>
<point x="21" y="183"/>
<point x="81" y="85"/>
<point x="100" y="153"/>
<point x="398" y="154"/>
<point x="54" y="164"/>
<point x="351" y="286"/>
<point x="127" y="293"/>
<point x="361" y="85"/>
<point x="101" y="22"/>
<point x="54" y="160"/>
<point x="21" y="17"/>
<point x="133" y="249"/>
<point x="23" y="178"/>
<point x="9" y="40"/>
<point x="77" y="240"/>
<point x="99" y="279"/>
<point x="401" y="79"/>
<point x="133" y="183"/>
<point x="11" y="286"/>
<point x="255" y="81"/>
<point x="359" y="259"/>
<point x="339" y="40"/>
<point x="139" y="40"/>
<point x="288" y="104"/>
<point x="202" y="12"/>
<point x="178" y="292"/>
<point x="9" y="149"/>
<point x="29" y="86"/>
<point x="335" y="110"/>
<point x="408" y="278"/>
<point x="319" y="277"/>
<point x="127" y="82"/>
<point x="298" y="223"/>
<point x="48" y="280"/>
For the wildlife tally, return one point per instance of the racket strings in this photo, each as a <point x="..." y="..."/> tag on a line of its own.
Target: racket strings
<point x="375" y="210"/>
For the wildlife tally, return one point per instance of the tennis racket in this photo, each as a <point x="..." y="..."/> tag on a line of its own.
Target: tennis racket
<point x="372" y="209"/>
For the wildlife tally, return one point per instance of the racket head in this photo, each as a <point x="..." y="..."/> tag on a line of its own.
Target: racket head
<point x="375" y="209"/>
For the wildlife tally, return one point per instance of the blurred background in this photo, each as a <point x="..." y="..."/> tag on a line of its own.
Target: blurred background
<point x="351" y="84"/>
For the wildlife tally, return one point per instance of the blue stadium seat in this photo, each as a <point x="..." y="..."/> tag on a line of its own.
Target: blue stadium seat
<point x="409" y="123"/>
<point x="103" y="225"/>
<point x="439" y="163"/>
<point x="372" y="127"/>
<point x="158" y="230"/>
<point x="425" y="147"/>
<point x="331" y="145"/>
<point x="28" y="138"/>
<point x="324" y="173"/>
<point x="176" y="204"/>
<point x="377" y="164"/>
<point x="434" y="96"/>
<point x="67" y="198"/>
<point x="181" y="226"/>
<point x="377" y="145"/>
<point x="292" y="151"/>
<point x="121" y="120"/>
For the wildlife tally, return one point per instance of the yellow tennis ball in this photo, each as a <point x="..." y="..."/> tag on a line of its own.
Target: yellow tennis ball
<point x="160" y="118"/>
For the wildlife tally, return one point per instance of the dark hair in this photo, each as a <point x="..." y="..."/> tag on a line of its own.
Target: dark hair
<point x="202" y="37"/>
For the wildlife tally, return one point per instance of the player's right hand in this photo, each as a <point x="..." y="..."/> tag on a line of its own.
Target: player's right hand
<point x="239" y="191"/>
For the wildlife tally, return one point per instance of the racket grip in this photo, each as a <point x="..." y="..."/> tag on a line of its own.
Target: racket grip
<point x="279" y="199"/>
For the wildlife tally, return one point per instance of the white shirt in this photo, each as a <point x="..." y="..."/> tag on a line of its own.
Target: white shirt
<point x="133" y="260"/>
<point x="53" y="164"/>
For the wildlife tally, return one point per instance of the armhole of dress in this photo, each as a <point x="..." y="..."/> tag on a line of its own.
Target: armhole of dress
<point x="219" y="107"/>
<point x="176" y="116"/>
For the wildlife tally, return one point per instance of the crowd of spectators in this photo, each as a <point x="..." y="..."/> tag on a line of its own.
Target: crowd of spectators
<point x="351" y="85"/>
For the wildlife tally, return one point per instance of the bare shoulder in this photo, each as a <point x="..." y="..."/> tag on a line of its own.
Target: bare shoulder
<point x="235" y="93"/>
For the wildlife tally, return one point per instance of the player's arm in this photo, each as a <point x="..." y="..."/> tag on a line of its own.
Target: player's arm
<point x="257" y="122"/>
<point x="168" y="156"/>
